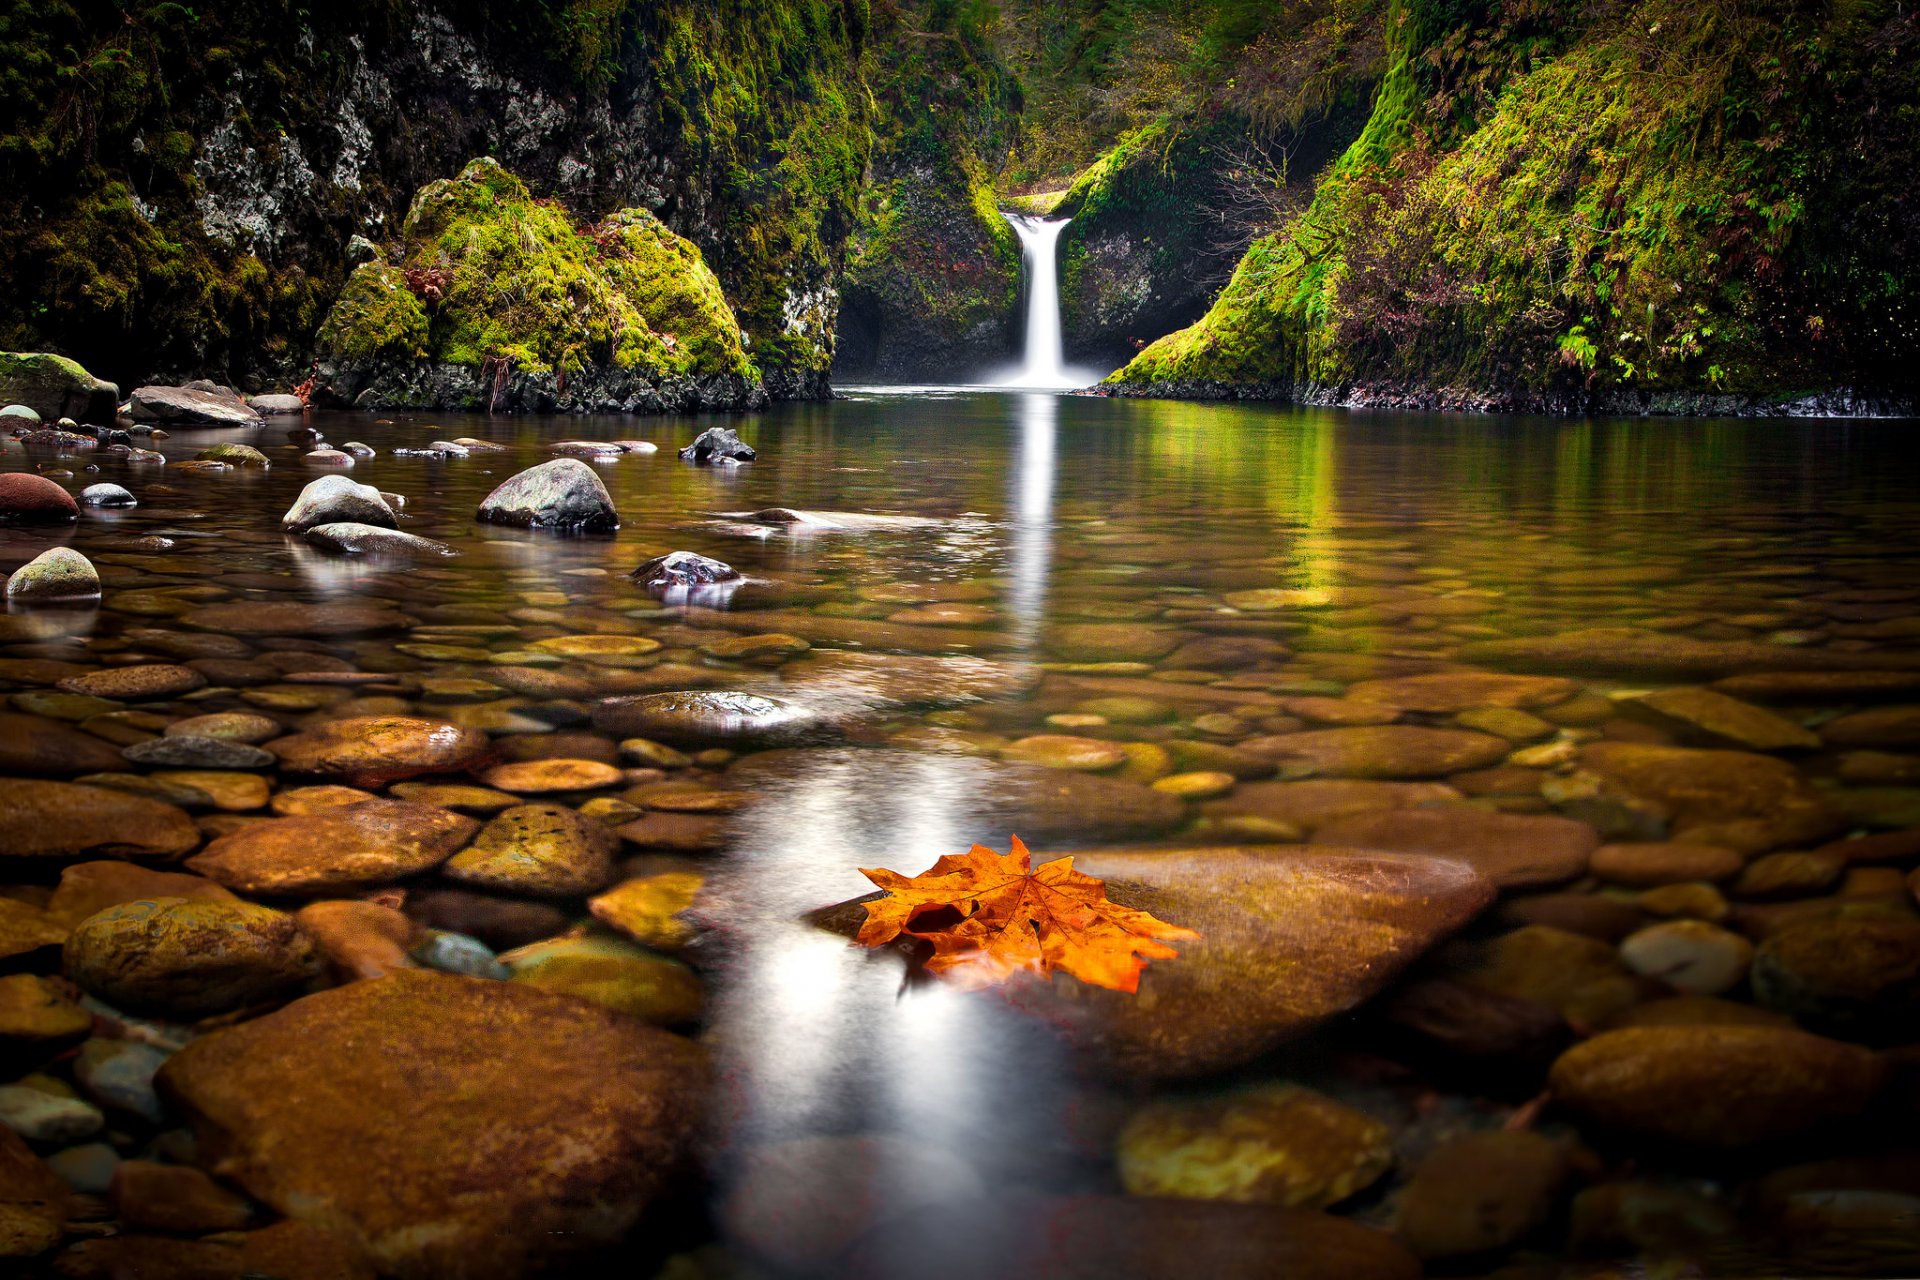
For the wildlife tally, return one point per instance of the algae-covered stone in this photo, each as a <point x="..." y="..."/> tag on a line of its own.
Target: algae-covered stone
<point x="1277" y="1144"/>
<point x="58" y="573"/>
<point x="614" y="973"/>
<point x="186" y="958"/>
<point x="55" y="387"/>
<point x="1380" y="751"/>
<point x="543" y="849"/>
<point x="1734" y="799"/>
<point x="562" y="496"/>
<point x="652" y="909"/>
<point x="236" y="455"/>
<point x="519" y="1107"/>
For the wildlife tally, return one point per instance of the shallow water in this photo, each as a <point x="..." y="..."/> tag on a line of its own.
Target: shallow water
<point x="1407" y="538"/>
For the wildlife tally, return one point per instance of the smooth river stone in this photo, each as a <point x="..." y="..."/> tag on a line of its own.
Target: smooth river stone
<point x="1063" y="751"/>
<point x="292" y="618"/>
<point x="1125" y="1238"/>
<point x="184" y="751"/>
<point x="546" y="850"/>
<point x="1289" y="938"/>
<point x="373" y="749"/>
<point x="709" y="718"/>
<point x="1897" y="727"/>
<point x="33" y="1200"/>
<point x="562" y="496"/>
<point x="534" y="777"/>
<point x="1734" y="799"/>
<point x="1306" y="805"/>
<point x="1725" y="721"/>
<point x="66" y="820"/>
<point x="515" y="1106"/>
<point x="335" y="850"/>
<point x="188" y="958"/>
<point x="1661" y="863"/>
<point x="1512" y="850"/>
<point x="890" y="680"/>
<point x="350" y="539"/>
<point x="1110" y="642"/>
<point x="88" y="887"/>
<point x="133" y="684"/>
<point x="1630" y="651"/>
<point x="1716" y="1086"/>
<point x="29" y="499"/>
<point x="1821" y="686"/>
<point x="1380" y="751"/>
<point x="338" y="500"/>
<point x="1035" y="803"/>
<point x="37" y="745"/>
<point x="1447" y="693"/>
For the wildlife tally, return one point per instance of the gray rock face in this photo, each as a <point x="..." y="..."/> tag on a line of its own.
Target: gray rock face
<point x="186" y="405"/>
<point x="189" y="751"/>
<point x="337" y="500"/>
<point x="717" y="445"/>
<point x="682" y="569"/>
<point x="349" y="539"/>
<point x="59" y="573"/>
<point x="274" y="404"/>
<point x="562" y="496"/>
<point x="107" y="495"/>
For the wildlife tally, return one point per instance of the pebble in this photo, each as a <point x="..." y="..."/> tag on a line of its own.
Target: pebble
<point x="1063" y="751"/>
<point x="118" y="1074"/>
<point x="334" y="850"/>
<point x="458" y="953"/>
<point x="88" y="1168"/>
<point x="136" y="683"/>
<point x="1691" y="956"/>
<point x="1659" y="863"/>
<point x="40" y="1116"/>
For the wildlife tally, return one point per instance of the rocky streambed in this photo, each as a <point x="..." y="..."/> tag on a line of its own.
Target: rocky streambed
<point x="479" y="909"/>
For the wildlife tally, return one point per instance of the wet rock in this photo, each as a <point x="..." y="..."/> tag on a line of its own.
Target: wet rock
<point x="1306" y="805"/>
<point x="162" y="1197"/>
<point x="66" y="820"/>
<point x="499" y="922"/>
<point x="335" y="850"/>
<point x="1288" y="939"/>
<point x="183" y="751"/>
<point x="300" y="1104"/>
<point x="1735" y="799"/>
<point x="26" y="930"/>
<point x="1787" y="875"/>
<point x="1511" y="850"/>
<point x="542" y="849"/>
<point x="338" y="500"/>
<point x="717" y="445"/>
<point x="1042" y="805"/>
<point x="1480" y="1036"/>
<point x="38" y="1017"/>
<point x="30" y="499"/>
<point x="1101" y="1237"/>
<point x="39" y="1115"/>
<point x="1880" y="727"/>
<point x="1691" y="956"/>
<point x="885" y="680"/>
<point x="1379" y="751"/>
<point x="118" y="1074"/>
<point x="675" y="832"/>
<point x="349" y="539"/>
<point x="1276" y="1144"/>
<point x="1110" y="642"/>
<point x="536" y="777"/>
<point x="293" y="618"/>
<point x="563" y="496"/>
<point x="651" y="910"/>
<point x="153" y="680"/>
<point x="227" y="726"/>
<point x="679" y="570"/>
<point x="107" y="495"/>
<point x="87" y="1169"/>
<point x="374" y="749"/>
<point x="56" y="574"/>
<point x="1716" y="1086"/>
<point x="709" y="718"/>
<point x="1821" y="686"/>
<point x="1581" y="978"/>
<point x="458" y="953"/>
<point x="1856" y="975"/>
<point x="1063" y="751"/>
<point x="611" y="972"/>
<point x="1698" y="1011"/>
<point x="1660" y="862"/>
<point x="1448" y="693"/>
<point x="1480" y="1192"/>
<point x="1631" y="651"/>
<point x="275" y="404"/>
<point x="601" y="650"/>
<point x="185" y="958"/>
<point x="89" y="887"/>
<point x="1725" y="721"/>
<point x="33" y="1200"/>
<point x="191" y="407"/>
<point x="359" y="939"/>
<point x="236" y="455"/>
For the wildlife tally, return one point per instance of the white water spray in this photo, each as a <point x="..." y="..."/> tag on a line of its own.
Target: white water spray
<point x="1045" y="366"/>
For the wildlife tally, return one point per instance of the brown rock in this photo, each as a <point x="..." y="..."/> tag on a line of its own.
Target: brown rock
<point x="292" y="1250"/>
<point x="164" y="1197"/>
<point x="652" y="909"/>
<point x="1511" y="850"/>
<point x="187" y="958"/>
<point x="901" y="680"/>
<point x="1820" y="686"/>
<point x="89" y="887"/>
<point x="675" y="832"/>
<point x="371" y="843"/>
<point x="501" y="923"/>
<point x="519" y="1107"/>
<point x="25" y="929"/>
<point x="1379" y="751"/>
<point x="1664" y="863"/>
<point x="1592" y="914"/>
<point x="1735" y="799"/>
<point x="1475" y="1032"/>
<point x="33" y="1200"/>
<point x="40" y="747"/>
<point x="1787" y="875"/>
<point x="1447" y="693"/>
<point x="1879" y="727"/>
<point x="1107" y="1238"/>
<point x="1289" y="938"/>
<point x="26" y="498"/>
<point x="369" y="750"/>
<point x="1306" y="805"/>
<point x="1580" y="977"/>
<point x="136" y="684"/>
<point x="360" y="939"/>
<point x="1630" y="651"/>
<point x="544" y="849"/>
<point x="65" y="820"/>
<point x="1480" y="1192"/>
<point x="536" y="777"/>
<point x="1110" y="642"/>
<point x="292" y="618"/>
<point x="1716" y="1086"/>
<point x="38" y="1015"/>
<point x="1724" y="721"/>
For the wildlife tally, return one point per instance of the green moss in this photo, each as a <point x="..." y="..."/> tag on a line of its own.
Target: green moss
<point x="504" y="276"/>
<point x="376" y="317"/>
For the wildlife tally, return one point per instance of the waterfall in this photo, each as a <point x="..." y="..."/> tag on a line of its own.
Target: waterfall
<point x="1044" y="366"/>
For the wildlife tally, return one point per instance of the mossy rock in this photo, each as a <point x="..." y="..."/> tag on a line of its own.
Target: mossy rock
<point x="55" y="387"/>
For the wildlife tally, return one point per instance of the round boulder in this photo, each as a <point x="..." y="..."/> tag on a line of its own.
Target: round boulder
<point x="29" y="499"/>
<point x="56" y="574"/>
<point x="337" y="500"/>
<point x="562" y="496"/>
<point x="188" y="958"/>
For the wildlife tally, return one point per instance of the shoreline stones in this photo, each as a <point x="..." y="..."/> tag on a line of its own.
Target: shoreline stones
<point x="56" y="574"/>
<point x="562" y="496"/>
<point x="197" y="405"/>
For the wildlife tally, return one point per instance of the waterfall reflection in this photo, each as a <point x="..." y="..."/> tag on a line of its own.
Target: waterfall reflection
<point x="1030" y="528"/>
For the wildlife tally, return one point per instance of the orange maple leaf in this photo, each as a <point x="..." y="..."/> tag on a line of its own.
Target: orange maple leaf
<point x="990" y="916"/>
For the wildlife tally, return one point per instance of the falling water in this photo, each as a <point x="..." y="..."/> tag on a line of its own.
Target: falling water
<point x="1045" y="364"/>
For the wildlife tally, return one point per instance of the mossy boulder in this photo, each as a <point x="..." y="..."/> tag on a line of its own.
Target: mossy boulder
<point x="501" y="300"/>
<point x="55" y="387"/>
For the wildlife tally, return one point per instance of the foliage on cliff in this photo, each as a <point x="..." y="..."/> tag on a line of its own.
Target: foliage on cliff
<point x="178" y="183"/>
<point x="1572" y="204"/>
<point x="933" y="272"/>
<point x="487" y="273"/>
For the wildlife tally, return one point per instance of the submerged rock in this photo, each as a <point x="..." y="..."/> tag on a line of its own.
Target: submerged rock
<point x="381" y="748"/>
<point x="1380" y="751"/>
<point x="335" y="850"/>
<point x="351" y="539"/>
<point x="1734" y="799"/>
<point x="188" y="958"/>
<point x="680" y="569"/>
<point x="562" y="496"/>
<point x="709" y="718"/>
<point x="1512" y="850"/>
<point x="519" y="1107"/>
<point x="338" y="500"/>
<point x="67" y="820"/>
<point x="718" y="445"/>
<point x="58" y="573"/>
<point x="546" y="850"/>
